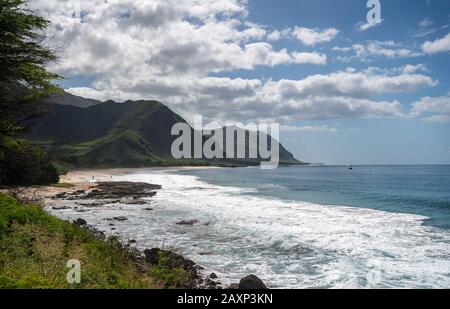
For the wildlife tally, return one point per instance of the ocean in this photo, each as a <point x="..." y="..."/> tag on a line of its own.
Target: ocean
<point x="298" y="227"/>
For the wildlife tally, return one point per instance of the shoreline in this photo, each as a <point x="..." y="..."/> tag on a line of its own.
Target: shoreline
<point x="233" y="233"/>
<point x="89" y="184"/>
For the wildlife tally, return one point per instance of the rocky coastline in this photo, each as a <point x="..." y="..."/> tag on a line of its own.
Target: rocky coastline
<point x="135" y="193"/>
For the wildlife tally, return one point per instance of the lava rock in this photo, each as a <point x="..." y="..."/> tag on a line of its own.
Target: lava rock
<point x="190" y="222"/>
<point x="252" y="282"/>
<point x="118" y="219"/>
<point x="60" y="207"/>
<point x="152" y="256"/>
<point x="81" y="222"/>
<point x="213" y="276"/>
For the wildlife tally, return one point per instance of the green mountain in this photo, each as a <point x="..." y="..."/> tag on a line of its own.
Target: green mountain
<point x="89" y="133"/>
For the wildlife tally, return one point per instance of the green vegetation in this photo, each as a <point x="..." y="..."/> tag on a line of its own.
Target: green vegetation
<point x="103" y="135"/>
<point x="164" y="270"/>
<point x="35" y="247"/>
<point x="23" y="164"/>
<point x="24" y="84"/>
<point x="134" y="134"/>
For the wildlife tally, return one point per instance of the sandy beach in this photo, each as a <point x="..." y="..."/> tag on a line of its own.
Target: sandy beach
<point x="229" y="222"/>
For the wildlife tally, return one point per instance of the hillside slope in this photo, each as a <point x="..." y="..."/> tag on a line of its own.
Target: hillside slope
<point x="87" y="133"/>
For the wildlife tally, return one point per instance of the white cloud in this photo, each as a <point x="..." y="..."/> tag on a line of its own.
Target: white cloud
<point x="346" y="94"/>
<point x="437" y="46"/>
<point x="425" y="23"/>
<point x="433" y="109"/>
<point x="279" y="34"/>
<point x="342" y="49"/>
<point x="425" y="28"/>
<point x="314" y="58"/>
<point x="364" y="26"/>
<point x="170" y="51"/>
<point x="162" y="37"/>
<point x="411" y="68"/>
<point x="311" y="37"/>
<point x="387" y="49"/>
<point x="438" y="118"/>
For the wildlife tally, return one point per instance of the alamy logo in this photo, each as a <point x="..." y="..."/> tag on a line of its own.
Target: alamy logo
<point x="374" y="15"/>
<point x="74" y="274"/>
<point x="232" y="141"/>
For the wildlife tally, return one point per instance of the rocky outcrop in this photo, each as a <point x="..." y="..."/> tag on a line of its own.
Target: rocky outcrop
<point x="252" y="282"/>
<point x="80" y="222"/>
<point x="172" y="260"/>
<point x="129" y="193"/>
<point x="188" y="222"/>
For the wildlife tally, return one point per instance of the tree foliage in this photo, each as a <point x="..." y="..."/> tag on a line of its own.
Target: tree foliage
<point x="24" y="78"/>
<point x="21" y="165"/>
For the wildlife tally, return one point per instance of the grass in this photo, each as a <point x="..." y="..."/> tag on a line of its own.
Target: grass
<point x="35" y="248"/>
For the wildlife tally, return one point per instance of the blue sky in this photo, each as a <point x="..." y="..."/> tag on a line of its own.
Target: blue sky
<point x="380" y="141"/>
<point x="296" y="62"/>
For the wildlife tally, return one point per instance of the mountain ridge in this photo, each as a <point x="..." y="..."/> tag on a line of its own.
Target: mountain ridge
<point x="88" y="133"/>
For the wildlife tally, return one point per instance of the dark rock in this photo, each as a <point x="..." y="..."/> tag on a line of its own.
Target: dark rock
<point x="210" y="282"/>
<point x="121" y="218"/>
<point x="119" y="190"/>
<point x="213" y="276"/>
<point x="190" y="222"/>
<point x="133" y="241"/>
<point x="80" y="222"/>
<point x="131" y="192"/>
<point x="251" y="282"/>
<point x="152" y="256"/>
<point x="60" y="207"/>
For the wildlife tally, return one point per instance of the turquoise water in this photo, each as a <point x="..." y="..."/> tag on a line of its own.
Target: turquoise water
<point x="420" y="190"/>
<point x="295" y="227"/>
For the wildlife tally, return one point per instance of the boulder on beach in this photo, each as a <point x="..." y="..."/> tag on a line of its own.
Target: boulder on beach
<point x="252" y="282"/>
<point x="80" y="222"/>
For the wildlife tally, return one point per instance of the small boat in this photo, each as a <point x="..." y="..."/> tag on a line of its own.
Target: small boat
<point x="350" y="167"/>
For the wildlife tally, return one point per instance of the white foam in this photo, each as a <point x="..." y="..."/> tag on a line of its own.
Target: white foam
<point x="289" y="244"/>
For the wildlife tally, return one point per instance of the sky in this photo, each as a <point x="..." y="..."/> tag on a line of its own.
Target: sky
<point x="343" y="90"/>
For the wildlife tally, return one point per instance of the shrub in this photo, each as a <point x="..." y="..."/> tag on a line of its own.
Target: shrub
<point x="21" y="165"/>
